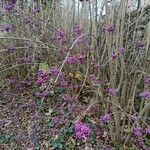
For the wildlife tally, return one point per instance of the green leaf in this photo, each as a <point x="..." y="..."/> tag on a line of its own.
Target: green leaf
<point x="44" y="66"/>
<point x="148" y="142"/>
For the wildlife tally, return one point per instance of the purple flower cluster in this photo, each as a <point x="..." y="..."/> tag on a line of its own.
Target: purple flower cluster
<point x="29" y="59"/>
<point x="61" y="37"/>
<point x="71" y="60"/>
<point x="7" y="28"/>
<point x="138" y="134"/>
<point x="54" y="71"/>
<point x="137" y="131"/>
<point x="113" y="55"/>
<point x="9" y="6"/>
<point x="81" y="58"/>
<point x="56" y="119"/>
<point x="145" y="95"/>
<point x="112" y="92"/>
<point x="12" y="1"/>
<point x="93" y="79"/>
<point x="42" y="94"/>
<point x="75" y="59"/>
<point x="147" y="81"/>
<point x="107" y="147"/>
<point x="63" y="83"/>
<point x="42" y="77"/>
<point x="11" y="49"/>
<point x="110" y="28"/>
<point x="82" y="130"/>
<point x="36" y="10"/>
<point x="77" y="31"/>
<point x="147" y="131"/>
<point x="105" y="118"/>
<point x="140" y="45"/>
<point x="122" y="50"/>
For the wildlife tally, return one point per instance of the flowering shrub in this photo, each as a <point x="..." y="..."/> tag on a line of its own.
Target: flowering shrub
<point x="73" y="81"/>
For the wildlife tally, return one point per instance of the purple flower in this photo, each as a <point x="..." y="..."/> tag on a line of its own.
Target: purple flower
<point x="54" y="71"/>
<point x="8" y="27"/>
<point x="12" y="1"/>
<point x="112" y="92"/>
<point x="148" y="81"/>
<point x="93" y="79"/>
<point x="56" y="120"/>
<point x="30" y="145"/>
<point x="122" y="50"/>
<point x="36" y="10"/>
<point x="111" y="28"/>
<point x="107" y="147"/>
<point x="31" y="104"/>
<point x="29" y="59"/>
<point x="141" y="45"/>
<point x="45" y="93"/>
<point x="42" y="94"/>
<point x="30" y="46"/>
<point x="145" y="95"/>
<point x="44" y="76"/>
<point x="60" y="35"/>
<point x="147" y="130"/>
<point x="80" y="58"/>
<point x="82" y="130"/>
<point x="141" y="144"/>
<point x="105" y="118"/>
<point x="53" y="131"/>
<point x="64" y="84"/>
<point x="40" y="81"/>
<point x="77" y="31"/>
<point x="71" y="60"/>
<point x="114" y="55"/>
<point x="11" y="49"/>
<point x="9" y="6"/>
<point x="137" y="131"/>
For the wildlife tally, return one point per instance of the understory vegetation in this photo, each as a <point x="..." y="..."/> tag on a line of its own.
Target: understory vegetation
<point x="74" y="75"/>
